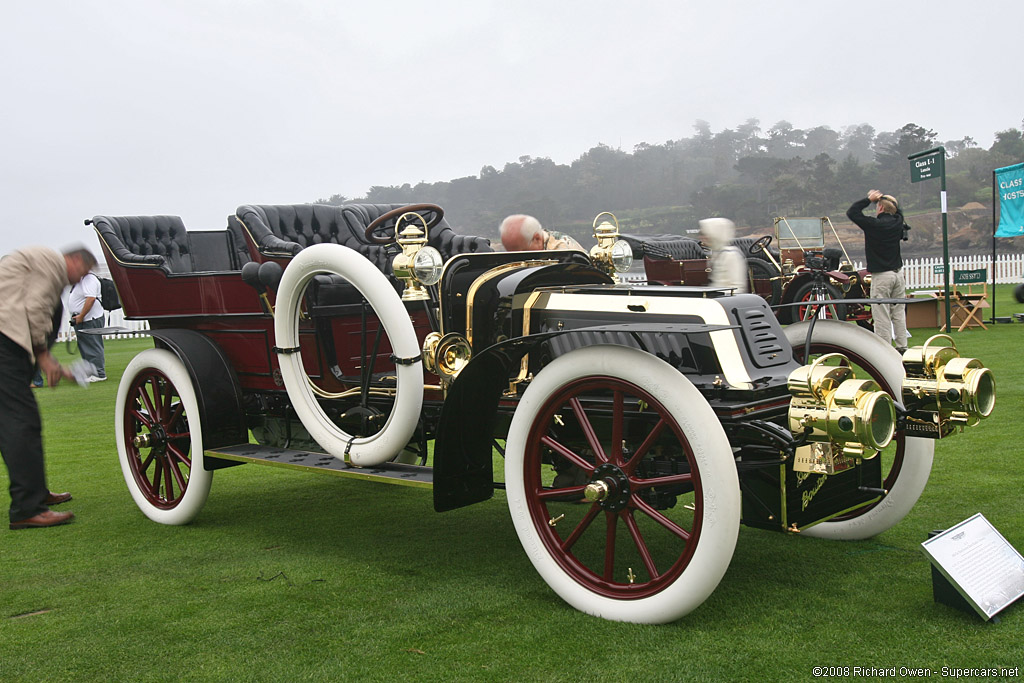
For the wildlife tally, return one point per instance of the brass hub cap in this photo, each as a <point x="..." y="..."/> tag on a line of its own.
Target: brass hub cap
<point x="609" y="488"/>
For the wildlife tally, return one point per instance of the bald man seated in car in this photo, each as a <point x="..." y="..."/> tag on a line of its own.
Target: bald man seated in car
<point x="520" y="232"/>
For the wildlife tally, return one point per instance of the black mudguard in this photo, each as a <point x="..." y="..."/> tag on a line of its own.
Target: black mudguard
<point x="218" y="391"/>
<point x="463" y="471"/>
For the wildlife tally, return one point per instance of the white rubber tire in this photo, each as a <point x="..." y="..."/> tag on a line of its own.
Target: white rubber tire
<point x="717" y="470"/>
<point x="335" y="259"/>
<point x="200" y="479"/>
<point x="917" y="455"/>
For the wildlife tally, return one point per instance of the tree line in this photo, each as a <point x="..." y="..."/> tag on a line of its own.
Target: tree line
<point x="747" y="174"/>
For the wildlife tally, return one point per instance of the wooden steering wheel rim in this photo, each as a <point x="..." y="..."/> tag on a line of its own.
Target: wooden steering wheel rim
<point x="394" y="214"/>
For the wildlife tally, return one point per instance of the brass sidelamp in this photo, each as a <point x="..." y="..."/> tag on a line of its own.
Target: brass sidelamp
<point x="418" y="264"/>
<point x="611" y="254"/>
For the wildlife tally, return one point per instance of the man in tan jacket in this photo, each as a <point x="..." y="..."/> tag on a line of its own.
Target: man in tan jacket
<point x="31" y="282"/>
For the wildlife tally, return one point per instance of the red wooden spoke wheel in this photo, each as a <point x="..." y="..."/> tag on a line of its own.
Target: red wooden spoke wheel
<point x="619" y="517"/>
<point x="159" y="438"/>
<point x="622" y="485"/>
<point x="160" y="450"/>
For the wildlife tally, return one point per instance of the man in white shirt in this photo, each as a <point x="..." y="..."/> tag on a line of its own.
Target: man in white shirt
<point x="87" y="313"/>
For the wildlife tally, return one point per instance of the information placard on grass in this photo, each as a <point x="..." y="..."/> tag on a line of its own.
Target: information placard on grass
<point x="983" y="567"/>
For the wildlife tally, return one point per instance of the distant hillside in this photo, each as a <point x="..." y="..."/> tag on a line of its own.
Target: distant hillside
<point x="745" y="174"/>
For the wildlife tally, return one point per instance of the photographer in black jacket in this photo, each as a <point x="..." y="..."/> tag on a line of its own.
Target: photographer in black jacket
<point x="882" y="236"/>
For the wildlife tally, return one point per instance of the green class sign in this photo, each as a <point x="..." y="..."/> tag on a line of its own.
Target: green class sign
<point x="926" y="168"/>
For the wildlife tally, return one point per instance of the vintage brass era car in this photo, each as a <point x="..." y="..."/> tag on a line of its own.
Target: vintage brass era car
<point x="798" y="268"/>
<point x="639" y="426"/>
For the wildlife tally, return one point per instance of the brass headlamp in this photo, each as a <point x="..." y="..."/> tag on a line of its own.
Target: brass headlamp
<point x="611" y="254"/>
<point x="945" y="390"/>
<point x="418" y="264"/>
<point x="854" y="415"/>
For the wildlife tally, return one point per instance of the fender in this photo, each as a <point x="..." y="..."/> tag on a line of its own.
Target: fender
<point x="463" y="466"/>
<point x="218" y="391"/>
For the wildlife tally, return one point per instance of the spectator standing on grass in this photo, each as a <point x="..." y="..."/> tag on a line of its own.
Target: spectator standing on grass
<point x="31" y="282"/>
<point x="87" y="314"/>
<point x="882" y="236"/>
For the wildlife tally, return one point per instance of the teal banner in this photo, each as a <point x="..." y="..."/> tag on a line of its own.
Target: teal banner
<point x="1010" y="180"/>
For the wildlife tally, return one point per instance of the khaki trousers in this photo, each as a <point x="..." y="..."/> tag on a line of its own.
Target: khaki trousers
<point x="890" y="319"/>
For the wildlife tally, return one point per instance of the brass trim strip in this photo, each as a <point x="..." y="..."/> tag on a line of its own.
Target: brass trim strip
<point x="486" y="277"/>
<point x="784" y="506"/>
<point x="528" y="305"/>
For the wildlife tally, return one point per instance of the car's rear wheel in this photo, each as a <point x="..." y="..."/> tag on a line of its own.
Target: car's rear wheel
<point x="159" y="438"/>
<point x="622" y="486"/>
<point x="907" y="461"/>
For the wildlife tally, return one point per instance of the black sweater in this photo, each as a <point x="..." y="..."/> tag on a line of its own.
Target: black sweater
<point x="882" y="237"/>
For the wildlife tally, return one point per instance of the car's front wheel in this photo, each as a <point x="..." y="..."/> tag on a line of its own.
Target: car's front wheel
<point x="622" y="486"/>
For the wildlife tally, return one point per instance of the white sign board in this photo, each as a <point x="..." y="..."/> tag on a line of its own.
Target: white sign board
<point x="986" y="570"/>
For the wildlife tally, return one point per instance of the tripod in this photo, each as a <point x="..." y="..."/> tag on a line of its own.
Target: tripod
<point x="819" y="292"/>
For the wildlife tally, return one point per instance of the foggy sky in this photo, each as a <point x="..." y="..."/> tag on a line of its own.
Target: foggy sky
<point x="193" y="107"/>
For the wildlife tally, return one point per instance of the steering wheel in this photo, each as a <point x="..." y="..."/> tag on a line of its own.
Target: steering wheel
<point x="392" y="215"/>
<point x="760" y="245"/>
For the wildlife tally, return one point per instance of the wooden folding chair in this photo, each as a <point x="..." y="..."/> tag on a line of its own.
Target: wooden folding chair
<point x="966" y="303"/>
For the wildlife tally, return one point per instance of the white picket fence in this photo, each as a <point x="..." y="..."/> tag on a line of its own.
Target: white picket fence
<point x="926" y="273"/>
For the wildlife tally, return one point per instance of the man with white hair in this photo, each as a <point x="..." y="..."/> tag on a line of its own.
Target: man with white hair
<point x="520" y="232"/>
<point x="728" y="264"/>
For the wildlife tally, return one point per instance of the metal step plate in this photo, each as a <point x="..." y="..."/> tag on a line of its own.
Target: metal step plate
<point x="388" y="473"/>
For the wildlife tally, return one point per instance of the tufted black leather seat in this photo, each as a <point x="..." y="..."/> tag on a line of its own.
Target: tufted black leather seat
<point x="676" y="247"/>
<point x="163" y="241"/>
<point x="283" y="230"/>
<point x="147" y="240"/>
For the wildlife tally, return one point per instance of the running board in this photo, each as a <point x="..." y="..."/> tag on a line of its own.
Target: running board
<point x="388" y="473"/>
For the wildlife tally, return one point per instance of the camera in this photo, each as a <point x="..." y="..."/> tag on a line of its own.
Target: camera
<point x="815" y="262"/>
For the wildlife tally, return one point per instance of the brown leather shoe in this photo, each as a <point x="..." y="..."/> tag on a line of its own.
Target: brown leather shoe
<point x="56" y="498"/>
<point x="48" y="518"/>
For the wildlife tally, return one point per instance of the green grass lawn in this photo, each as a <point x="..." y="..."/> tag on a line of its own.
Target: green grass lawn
<point x="291" y="575"/>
